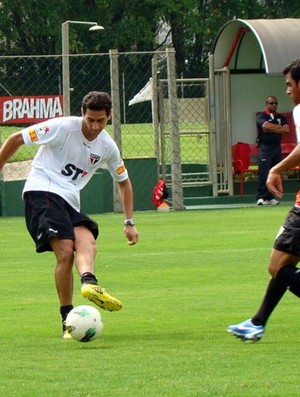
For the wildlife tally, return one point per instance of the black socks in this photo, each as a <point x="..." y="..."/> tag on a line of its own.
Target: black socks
<point x="88" y="278"/>
<point x="274" y="293"/>
<point x="290" y="277"/>
<point x="64" y="311"/>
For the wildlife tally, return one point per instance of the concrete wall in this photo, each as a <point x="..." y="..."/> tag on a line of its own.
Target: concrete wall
<point x="248" y="94"/>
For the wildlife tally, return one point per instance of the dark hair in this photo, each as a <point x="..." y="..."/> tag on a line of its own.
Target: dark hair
<point x="96" y="100"/>
<point x="294" y="69"/>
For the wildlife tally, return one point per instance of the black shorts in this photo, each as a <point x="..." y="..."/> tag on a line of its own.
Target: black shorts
<point x="48" y="215"/>
<point x="288" y="237"/>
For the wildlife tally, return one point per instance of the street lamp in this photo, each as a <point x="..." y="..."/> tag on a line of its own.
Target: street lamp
<point x="65" y="59"/>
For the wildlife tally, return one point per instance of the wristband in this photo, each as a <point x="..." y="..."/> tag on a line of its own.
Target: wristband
<point x="129" y="222"/>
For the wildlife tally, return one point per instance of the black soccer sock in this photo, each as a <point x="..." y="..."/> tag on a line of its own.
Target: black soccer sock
<point x="290" y="276"/>
<point x="89" y="278"/>
<point x="64" y="311"/>
<point x="274" y="293"/>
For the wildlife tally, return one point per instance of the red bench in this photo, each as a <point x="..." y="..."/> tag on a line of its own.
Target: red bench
<point x="241" y="159"/>
<point x="286" y="149"/>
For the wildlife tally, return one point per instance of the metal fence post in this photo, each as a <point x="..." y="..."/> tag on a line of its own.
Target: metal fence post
<point x="65" y="67"/>
<point x="154" y="104"/>
<point x="177" y="192"/>
<point x="2" y="187"/>
<point x="116" y="119"/>
<point x="212" y="128"/>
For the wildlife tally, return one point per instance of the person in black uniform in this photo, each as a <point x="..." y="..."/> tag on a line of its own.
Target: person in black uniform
<point x="285" y="254"/>
<point x="270" y="125"/>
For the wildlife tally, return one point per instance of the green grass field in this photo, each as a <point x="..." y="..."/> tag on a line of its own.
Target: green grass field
<point x="137" y="141"/>
<point x="192" y="274"/>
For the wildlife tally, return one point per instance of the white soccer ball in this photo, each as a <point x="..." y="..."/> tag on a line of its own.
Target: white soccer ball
<point x="84" y="323"/>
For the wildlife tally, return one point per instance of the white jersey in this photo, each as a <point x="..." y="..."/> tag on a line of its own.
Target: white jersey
<point x="66" y="161"/>
<point x="296" y="117"/>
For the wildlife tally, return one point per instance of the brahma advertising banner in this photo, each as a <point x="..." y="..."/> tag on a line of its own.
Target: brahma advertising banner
<point x="30" y="109"/>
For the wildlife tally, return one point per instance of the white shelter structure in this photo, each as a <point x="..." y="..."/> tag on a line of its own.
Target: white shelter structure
<point x="246" y="66"/>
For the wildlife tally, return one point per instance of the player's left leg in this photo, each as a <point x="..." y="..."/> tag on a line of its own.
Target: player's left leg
<point x="283" y="264"/>
<point x="85" y="253"/>
<point x="254" y="328"/>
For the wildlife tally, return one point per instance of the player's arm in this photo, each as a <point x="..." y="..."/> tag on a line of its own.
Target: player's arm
<point x="274" y="182"/>
<point x="9" y="147"/>
<point x="126" y="195"/>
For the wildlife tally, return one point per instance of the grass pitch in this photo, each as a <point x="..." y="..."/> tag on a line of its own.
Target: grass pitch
<point x="137" y="141"/>
<point x="192" y="274"/>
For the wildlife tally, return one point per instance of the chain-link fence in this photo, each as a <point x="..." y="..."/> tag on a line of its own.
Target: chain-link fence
<point x="160" y="123"/>
<point x="193" y="128"/>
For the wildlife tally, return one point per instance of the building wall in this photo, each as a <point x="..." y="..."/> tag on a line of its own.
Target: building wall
<point x="248" y="94"/>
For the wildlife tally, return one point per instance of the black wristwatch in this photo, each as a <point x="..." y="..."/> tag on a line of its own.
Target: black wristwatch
<point x="129" y="222"/>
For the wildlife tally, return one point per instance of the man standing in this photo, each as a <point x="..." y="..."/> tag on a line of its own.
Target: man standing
<point x="285" y="254"/>
<point x="270" y="125"/>
<point x="72" y="149"/>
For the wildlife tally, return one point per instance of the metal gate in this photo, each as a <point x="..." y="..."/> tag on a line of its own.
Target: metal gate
<point x="221" y="82"/>
<point x="196" y="144"/>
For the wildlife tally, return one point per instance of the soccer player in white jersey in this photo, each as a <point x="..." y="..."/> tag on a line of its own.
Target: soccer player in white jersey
<point x="285" y="254"/>
<point x="72" y="149"/>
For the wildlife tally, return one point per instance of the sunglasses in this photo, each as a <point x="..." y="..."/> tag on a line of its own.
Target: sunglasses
<point x="272" y="103"/>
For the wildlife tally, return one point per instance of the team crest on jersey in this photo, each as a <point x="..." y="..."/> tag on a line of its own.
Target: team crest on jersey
<point x="94" y="158"/>
<point x="42" y="130"/>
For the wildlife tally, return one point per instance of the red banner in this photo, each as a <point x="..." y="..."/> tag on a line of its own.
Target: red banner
<point x="30" y="109"/>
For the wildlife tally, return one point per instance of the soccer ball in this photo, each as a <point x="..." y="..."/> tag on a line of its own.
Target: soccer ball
<point x="84" y="323"/>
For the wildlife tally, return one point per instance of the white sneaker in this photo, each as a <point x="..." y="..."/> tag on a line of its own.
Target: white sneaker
<point x="247" y="331"/>
<point x="260" y="202"/>
<point x="271" y="202"/>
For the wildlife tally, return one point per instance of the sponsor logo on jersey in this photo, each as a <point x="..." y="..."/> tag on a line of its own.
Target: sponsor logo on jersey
<point x="73" y="171"/>
<point x="94" y="158"/>
<point x="121" y="169"/>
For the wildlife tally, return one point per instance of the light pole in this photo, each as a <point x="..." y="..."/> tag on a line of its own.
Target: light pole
<point x="65" y="59"/>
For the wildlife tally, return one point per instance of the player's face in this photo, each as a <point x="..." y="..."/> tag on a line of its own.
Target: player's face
<point x="293" y="89"/>
<point x="93" y="122"/>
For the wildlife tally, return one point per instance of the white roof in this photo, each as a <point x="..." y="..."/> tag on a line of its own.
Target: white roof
<point x="257" y="45"/>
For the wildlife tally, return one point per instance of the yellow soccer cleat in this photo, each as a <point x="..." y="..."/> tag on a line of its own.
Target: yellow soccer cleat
<point x="100" y="297"/>
<point x="66" y="332"/>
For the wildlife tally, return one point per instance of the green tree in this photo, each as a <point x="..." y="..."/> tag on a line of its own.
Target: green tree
<point x="29" y="26"/>
<point x="33" y="27"/>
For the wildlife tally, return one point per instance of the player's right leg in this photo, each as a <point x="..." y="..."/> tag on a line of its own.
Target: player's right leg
<point x="64" y="252"/>
<point x="50" y="228"/>
<point x="285" y="275"/>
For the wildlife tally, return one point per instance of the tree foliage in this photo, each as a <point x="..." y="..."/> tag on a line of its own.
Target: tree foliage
<point x="33" y="27"/>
